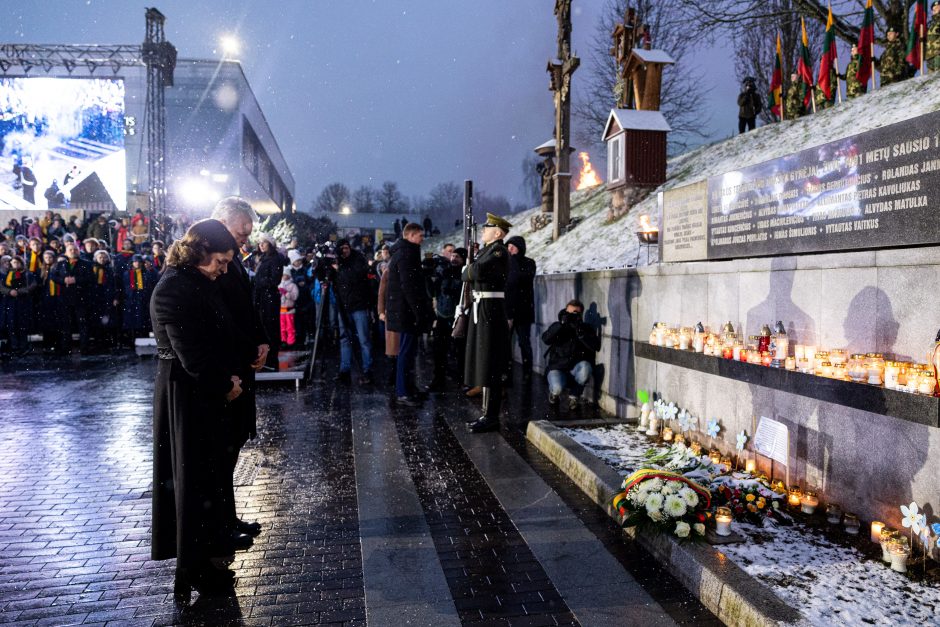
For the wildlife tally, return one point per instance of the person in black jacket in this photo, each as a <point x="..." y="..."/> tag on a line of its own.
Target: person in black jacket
<point x="353" y="303"/>
<point x="749" y="106"/>
<point x="408" y="308"/>
<point x="520" y="302"/>
<point x="198" y="350"/>
<point x="572" y="345"/>
<point x="267" y="299"/>
<point x="75" y="276"/>
<point x="235" y="290"/>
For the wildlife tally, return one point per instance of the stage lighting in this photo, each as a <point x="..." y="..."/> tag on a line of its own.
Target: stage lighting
<point x="230" y="46"/>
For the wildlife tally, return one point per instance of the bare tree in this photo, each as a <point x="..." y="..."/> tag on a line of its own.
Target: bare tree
<point x="710" y="18"/>
<point x="682" y="89"/>
<point x="755" y="45"/>
<point x="363" y="199"/>
<point x="390" y="199"/>
<point x="331" y="199"/>
<point x="531" y="186"/>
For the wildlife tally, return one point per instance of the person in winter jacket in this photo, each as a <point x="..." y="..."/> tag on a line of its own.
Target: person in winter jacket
<point x="266" y="298"/>
<point x="408" y="308"/>
<point x="289" y="294"/>
<point x="354" y="304"/>
<point x="16" y="286"/>
<point x="572" y="345"/>
<point x="520" y="301"/>
<point x="749" y="106"/>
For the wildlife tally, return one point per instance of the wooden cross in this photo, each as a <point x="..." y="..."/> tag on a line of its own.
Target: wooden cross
<point x="560" y="72"/>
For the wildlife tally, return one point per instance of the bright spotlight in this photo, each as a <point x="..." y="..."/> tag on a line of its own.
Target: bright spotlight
<point x="345" y="210"/>
<point x="197" y="193"/>
<point x="230" y="46"/>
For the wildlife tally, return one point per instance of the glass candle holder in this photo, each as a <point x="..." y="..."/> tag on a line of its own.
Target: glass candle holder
<point x="833" y="514"/>
<point x="876" y="527"/>
<point x="766" y="358"/>
<point x="899" y="552"/>
<point x="824" y="369"/>
<point x="715" y="456"/>
<point x="667" y="434"/>
<point x="727" y="462"/>
<point x="736" y="351"/>
<point x="850" y="523"/>
<point x="696" y="449"/>
<point x="790" y="363"/>
<point x="838" y="356"/>
<point x="819" y="358"/>
<point x="839" y="372"/>
<point x="875" y="364"/>
<point x="892" y="375"/>
<point x="927" y="382"/>
<point x="856" y="368"/>
<point x="678" y="439"/>
<point x="654" y="425"/>
<point x="886" y="535"/>
<point x="809" y="502"/>
<point x="723" y="520"/>
<point x="750" y="465"/>
<point x="805" y="365"/>
<point x="799" y="351"/>
<point x="685" y="338"/>
<point x="794" y="496"/>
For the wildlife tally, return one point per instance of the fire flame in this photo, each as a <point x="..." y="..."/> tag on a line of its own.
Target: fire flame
<point x="589" y="177"/>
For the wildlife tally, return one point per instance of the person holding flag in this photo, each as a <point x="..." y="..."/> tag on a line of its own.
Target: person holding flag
<point x="853" y="87"/>
<point x="775" y="96"/>
<point x="933" y="37"/>
<point x="917" y="39"/>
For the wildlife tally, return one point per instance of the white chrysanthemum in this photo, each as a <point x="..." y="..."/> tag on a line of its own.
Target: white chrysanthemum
<point x="654" y="502"/>
<point x="674" y="506"/>
<point x="670" y="487"/>
<point x="639" y="497"/>
<point x="699" y="528"/>
<point x="689" y="496"/>
<point x="656" y="516"/>
<point x="653" y="485"/>
<point x="683" y="529"/>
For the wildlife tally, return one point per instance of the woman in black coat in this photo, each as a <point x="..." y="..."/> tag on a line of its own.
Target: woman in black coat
<point x="266" y="297"/>
<point x="194" y="384"/>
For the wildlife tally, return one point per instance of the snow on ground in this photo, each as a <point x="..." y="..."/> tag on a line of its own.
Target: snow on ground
<point x="596" y="244"/>
<point x="831" y="584"/>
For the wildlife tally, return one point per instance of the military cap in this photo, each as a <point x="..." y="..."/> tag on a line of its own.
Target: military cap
<point x="934" y="3"/>
<point x="500" y="223"/>
<point x="892" y="29"/>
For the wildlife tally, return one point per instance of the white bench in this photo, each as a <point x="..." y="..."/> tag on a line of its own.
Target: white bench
<point x="282" y="375"/>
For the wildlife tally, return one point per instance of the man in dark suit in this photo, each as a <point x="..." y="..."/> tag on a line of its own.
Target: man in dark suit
<point x="235" y="287"/>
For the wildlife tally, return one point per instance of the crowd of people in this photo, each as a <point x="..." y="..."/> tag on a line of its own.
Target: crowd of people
<point x="60" y="278"/>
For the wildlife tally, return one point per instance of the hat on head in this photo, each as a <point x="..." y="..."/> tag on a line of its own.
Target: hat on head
<point x="934" y="3"/>
<point x="160" y="242"/>
<point x="500" y="223"/>
<point x="139" y="258"/>
<point x="294" y="255"/>
<point x="286" y="271"/>
<point x="518" y="241"/>
<point x="892" y="29"/>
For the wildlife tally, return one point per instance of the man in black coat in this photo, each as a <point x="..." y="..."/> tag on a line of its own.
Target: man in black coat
<point x="235" y="291"/>
<point x="408" y="308"/>
<point x="572" y="345"/>
<point x="750" y="105"/>
<point x="520" y="302"/>
<point x="75" y="275"/>
<point x="353" y="302"/>
<point x="488" y="338"/>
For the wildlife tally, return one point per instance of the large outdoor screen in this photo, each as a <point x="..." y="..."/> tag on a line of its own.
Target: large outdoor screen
<point x="61" y="143"/>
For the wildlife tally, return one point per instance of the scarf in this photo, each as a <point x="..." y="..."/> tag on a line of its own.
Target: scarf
<point x="35" y="260"/>
<point x="136" y="279"/>
<point x="14" y="279"/>
<point x="100" y="274"/>
<point x="54" y="289"/>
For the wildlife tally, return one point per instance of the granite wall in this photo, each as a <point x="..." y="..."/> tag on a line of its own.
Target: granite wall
<point x="873" y="301"/>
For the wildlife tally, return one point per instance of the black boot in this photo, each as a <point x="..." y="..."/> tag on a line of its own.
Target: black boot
<point x="492" y="403"/>
<point x="206" y="580"/>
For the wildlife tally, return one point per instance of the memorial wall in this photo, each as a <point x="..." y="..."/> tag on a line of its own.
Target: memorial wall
<point x="841" y="243"/>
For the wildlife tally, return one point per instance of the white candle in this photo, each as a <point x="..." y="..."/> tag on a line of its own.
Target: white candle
<point x="876" y="528"/>
<point x="723" y="524"/>
<point x="750" y="465"/>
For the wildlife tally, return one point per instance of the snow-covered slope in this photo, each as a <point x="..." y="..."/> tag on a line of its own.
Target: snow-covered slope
<point x="596" y="244"/>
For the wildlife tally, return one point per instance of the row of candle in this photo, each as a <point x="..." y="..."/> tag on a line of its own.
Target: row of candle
<point x="773" y="350"/>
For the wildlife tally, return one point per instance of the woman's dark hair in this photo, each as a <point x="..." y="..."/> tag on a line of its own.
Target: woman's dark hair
<point x="201" y="240"/>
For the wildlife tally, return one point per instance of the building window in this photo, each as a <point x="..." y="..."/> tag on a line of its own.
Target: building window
<point x="615" y="159"/>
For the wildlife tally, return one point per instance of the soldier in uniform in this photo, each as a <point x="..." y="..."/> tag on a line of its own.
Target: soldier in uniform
<point x="488" y="339"/>
<point x="853" y="87"/>
<point x="793" y="103"/>
<point x="933" y="37"/>
<point x="892" y="65"/>
<point x="821" y="101"/>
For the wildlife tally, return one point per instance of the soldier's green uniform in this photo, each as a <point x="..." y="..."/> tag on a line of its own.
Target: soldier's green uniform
<point x="793" y="103"/>
<point x="853" y="87"/>
<point x="933" y="44"/>
<point x="892" y="65"/>
<point x="821" y="101"/>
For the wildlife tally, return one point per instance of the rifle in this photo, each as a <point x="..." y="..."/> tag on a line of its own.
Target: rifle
<point x="469" y="238"/>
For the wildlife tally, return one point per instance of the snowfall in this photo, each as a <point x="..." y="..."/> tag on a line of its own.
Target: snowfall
<point x="828" y="581"/>
<point x="597" y="244"/>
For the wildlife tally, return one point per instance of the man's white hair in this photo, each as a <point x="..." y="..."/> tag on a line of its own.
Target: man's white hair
<point x="232" y="206"/>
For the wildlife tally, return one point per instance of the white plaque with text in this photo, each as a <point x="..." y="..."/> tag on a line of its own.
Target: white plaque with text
<point x="772" y="440"/>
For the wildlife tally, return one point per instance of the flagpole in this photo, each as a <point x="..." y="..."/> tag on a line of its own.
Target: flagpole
<point x="873" y="66"/>
<point x="838" y="80"/>
<point x="923" y="51"/>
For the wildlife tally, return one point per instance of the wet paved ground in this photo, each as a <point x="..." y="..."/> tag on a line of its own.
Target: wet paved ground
<point x="395" y="515"/>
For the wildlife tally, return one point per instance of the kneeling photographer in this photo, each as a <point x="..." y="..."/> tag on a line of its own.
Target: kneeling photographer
<point x="572" y="345"/>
